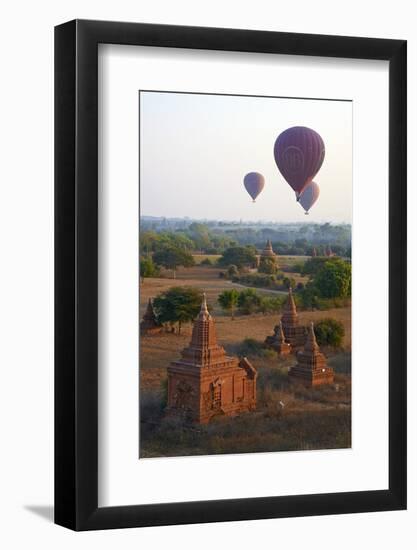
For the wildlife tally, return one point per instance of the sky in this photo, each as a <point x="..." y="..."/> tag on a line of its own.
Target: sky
<point x="195" y="150"/>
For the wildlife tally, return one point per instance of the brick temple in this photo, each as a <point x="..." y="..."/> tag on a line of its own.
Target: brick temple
<point x="205" y="382"/>
<point x="295" y="334"/>
<point x="150" y="323"/>
<point x="277" y="341"/>
<point x="311" y="368"/>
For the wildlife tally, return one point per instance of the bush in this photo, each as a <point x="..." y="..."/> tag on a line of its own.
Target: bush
<point x="250" y="347"/>
<point x="249" y="301"/>
<point x="206" y="261"/>
<point x="329" y="332"/>
<point x="268" y="265"/>
<point x="232" y="271"/>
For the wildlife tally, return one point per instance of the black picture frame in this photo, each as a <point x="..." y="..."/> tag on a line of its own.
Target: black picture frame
<point x="76" y="271"/>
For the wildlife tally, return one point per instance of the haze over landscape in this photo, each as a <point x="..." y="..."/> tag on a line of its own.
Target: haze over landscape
<point x="196" y="149"/>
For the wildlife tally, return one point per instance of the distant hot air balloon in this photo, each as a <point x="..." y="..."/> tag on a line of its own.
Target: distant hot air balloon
<point x="254" y="183"/>
<point x="309" y="196"/>
<point x="299" y="153"/>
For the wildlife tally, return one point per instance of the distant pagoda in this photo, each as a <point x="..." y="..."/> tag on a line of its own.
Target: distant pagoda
<point x="268" y="260"/>
<point x="277" y="341"/>
<point x="268" y="251"/>
<point x="150" y="323"/>
<point x="206" y="382"/>
<point x="311" y="368"/>
<point x="295" y="334"/>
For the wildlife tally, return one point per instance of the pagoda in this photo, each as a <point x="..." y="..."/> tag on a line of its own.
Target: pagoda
<point x="295" y="334"/>
<point x="205" y="382"/>
<point x="268" y="251"/>
<point x="268" y="259"/>
<point x="311" y="368"/>
<point x="150" y="323"/>
<point x="277" y="341"/>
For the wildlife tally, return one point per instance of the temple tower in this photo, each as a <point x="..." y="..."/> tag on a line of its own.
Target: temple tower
<point x="311" y="368"/>
<point x="205" y="382"/>
<point x="294" y="333"/>
<point x="277" y="341"/>
<point x="268" y="262"/>
<point x="150" y="323"/>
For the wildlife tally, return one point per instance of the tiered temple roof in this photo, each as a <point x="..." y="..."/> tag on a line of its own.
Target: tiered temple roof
<point x="294" y="333"/>
<point x="205" y="381"/>
<point x="311" y="367"/>
<point x="203" y="349"/>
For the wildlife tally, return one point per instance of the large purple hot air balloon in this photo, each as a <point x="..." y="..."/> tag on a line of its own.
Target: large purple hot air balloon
<point x="299" y="153"/>
<point x="254" y="183"/>
<point x="309" y="196"/>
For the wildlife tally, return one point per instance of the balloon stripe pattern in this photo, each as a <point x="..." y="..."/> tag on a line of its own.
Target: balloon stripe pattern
<point x="299" y="153"/>
<point x="254" y="183"/>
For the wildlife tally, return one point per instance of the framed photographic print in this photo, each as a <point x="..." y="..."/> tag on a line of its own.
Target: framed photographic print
<point x="230" y="275"/>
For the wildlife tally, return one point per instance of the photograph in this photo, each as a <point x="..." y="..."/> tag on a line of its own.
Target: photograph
<point x="245" y="274"/>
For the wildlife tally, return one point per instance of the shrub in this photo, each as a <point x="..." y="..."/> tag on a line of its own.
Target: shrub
<point x="329" y="332"/>
<point x="232" y="271"/>
<point x="268" y="265"/>
<point x="206" y="261"/>
<point x="254" y="348"/>
<point x="248" y="301"/>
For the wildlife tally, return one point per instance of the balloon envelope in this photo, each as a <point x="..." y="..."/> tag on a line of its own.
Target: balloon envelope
<point x="299" y="153"/>
<point x="309" y="196"/>
<point x="254" y="183"/>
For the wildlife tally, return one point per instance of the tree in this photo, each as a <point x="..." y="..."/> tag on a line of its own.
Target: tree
<point x="268" y="265"/>
<point x="228" y="301"/>
<point x="179" y="304"/>
<point x="232" y="271"/>
<point x="171" y="258"/>
<point x="148" y="268"/>
<point x="329" y="332"/>
<point x="334" y="279"/>
<point x="288" y="282"/>
<point x="249" y="301"/>
<point x="239" y="256"/>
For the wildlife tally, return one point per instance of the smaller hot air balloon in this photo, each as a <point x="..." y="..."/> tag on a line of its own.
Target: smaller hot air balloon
<point x="309" y="196"/>
<point x="254" y="183"/>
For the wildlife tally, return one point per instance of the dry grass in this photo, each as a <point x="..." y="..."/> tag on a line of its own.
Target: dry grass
<point x="271" y="427"/>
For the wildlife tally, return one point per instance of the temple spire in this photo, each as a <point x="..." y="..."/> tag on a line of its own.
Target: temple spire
<point x="280" y="333"/>
<point x="311" y="342"/>
<point x="204" y="312"/>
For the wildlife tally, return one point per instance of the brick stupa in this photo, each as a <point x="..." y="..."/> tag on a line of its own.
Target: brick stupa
<point x="268" y="260"/>
<point x="277" y="341"/>
<point x="149" y="323"/>
<point x="294" y="333"/>
<point x="268" y="251"/>
<point x="311" y="368"/>
<point x="206" y="382"/>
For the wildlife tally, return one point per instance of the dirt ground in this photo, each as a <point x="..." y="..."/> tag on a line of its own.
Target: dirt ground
<point x="157" y="351"/>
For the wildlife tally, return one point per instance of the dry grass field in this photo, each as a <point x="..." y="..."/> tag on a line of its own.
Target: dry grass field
<point x="272" y="427"/>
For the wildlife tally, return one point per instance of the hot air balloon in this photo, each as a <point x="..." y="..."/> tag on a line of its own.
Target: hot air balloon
<point x="299" y="153"/>
<point x="254" y="183"/>
<point x="309" y="196"/>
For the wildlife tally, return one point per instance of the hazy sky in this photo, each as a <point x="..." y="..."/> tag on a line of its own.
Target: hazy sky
<point x="196" y="149"/>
